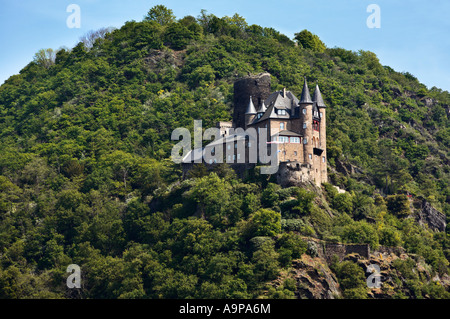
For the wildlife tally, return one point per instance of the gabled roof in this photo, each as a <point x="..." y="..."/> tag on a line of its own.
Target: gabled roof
<point x="317" y="97"/>
<point x="269" y="114"/>
<point x="284" y="100"/>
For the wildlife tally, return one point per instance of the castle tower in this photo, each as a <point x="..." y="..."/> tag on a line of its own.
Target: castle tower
<point x="306" y="105"/>
<point x="256" y="86"/>
<point x="321" y="149"/>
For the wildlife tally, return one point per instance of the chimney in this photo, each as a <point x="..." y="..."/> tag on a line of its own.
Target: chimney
<point x="284" y="92"/>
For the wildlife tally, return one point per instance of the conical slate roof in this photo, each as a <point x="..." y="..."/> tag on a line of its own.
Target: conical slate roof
<point x="263" y="108"/>
<point x="251" y="108"/>
<point x="306" y="97"/>
<point x="317" y="97"/>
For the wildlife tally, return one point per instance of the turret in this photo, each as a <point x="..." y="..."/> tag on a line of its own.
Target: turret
<point x="305" y="105"/>
<point x="250" y="112"/>
<point x="321" y="107"/>
<point x="306" y="97"/>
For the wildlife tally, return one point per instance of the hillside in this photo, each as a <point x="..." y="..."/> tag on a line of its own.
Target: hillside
<point x="86" y="176"/>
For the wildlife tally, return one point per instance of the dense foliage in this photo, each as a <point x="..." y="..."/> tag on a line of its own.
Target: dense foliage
<point x="86" y="176"/>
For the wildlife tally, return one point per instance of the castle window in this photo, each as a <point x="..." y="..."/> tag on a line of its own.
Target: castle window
<point x="295" y="140"/>
<point x="323" y="159"/>
<point x="210" y="161"/>
<point x="321" y="114"/>
<point x="239" y="156"/>
<point x="304" y="111"/>
<point x="281" y="126"/>
<point x="304" y="125"/>
<point x="305" y="140"/>
<point x="283" y="139"/>
<point x="281" y="112"/>
<point x="310" y="156"/>
<point x="316" y="125"/>
<point x="295" y="153"/>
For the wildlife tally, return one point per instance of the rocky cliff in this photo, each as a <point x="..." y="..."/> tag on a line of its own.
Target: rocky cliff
<point x="400" y="275"/>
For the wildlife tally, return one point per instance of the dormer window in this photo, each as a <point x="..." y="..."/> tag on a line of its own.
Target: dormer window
<point x="281" y="112"/>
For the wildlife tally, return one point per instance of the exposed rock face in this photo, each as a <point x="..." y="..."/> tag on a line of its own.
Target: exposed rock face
<point x="430" y="216"/>
<point x="347" y="168"/>
<point x="314" y="279"/>
<point x="294" y="174"/>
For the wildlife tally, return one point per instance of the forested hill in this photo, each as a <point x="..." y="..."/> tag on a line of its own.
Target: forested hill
<point x="86" y="176"/>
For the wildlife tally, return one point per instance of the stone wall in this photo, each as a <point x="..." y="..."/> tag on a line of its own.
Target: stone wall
<point x="389" y="250"/>
<point x="341" y="250"/>
<point x="326" y="250"/>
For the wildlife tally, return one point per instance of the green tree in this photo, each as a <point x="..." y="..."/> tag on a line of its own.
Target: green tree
<point x="211" y="193"/>
<point x="265" y="261"/>
<point x="45" y="58"/>
<point x="304" y="201"/>
<point x="160" y="14"/>
<point x="343" y="202"/>
<point x="310" y="41"/>
<point x="398" y="205"/>
<point x="352" y="279"/>
<point x="265" y="222"/>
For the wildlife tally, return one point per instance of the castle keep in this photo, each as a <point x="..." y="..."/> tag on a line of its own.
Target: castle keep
<point x="297" y="126"/>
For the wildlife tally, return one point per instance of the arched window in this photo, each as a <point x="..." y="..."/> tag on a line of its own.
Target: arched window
<point x="282" y="126"/>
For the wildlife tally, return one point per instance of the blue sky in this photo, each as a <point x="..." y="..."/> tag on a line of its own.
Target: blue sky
<point x="414" y="34"/>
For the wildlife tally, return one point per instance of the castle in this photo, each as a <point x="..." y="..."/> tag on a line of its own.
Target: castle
<point x="298" y="127"/>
